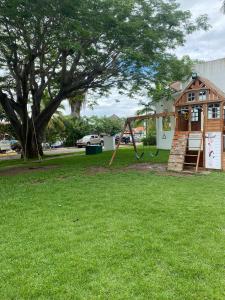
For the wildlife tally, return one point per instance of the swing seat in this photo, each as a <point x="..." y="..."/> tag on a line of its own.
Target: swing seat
<point x="138" y="157"/>
<point x="155" y="154"/>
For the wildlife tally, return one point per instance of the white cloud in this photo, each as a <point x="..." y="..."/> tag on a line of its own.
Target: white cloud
<point x="114" y="103"/>
<point x="203" y="45"/>
<point x="120" y="105"/>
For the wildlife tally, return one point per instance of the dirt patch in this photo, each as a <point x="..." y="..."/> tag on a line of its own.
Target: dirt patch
<point x="160" y="169"/>
<point x="13" y="171"/>
<point x="64" y="177"/>
<point x="96" y="170"/>
<point x="148" y="167"/>
<point x="37" y="181"/>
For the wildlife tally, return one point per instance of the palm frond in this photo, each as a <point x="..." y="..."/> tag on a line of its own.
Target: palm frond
<point x="77" y="102"/>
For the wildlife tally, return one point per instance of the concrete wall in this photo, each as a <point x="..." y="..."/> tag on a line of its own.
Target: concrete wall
<point x="212" y="70"/>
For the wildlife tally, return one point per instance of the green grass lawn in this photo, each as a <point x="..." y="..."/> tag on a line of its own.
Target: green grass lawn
<point x="67" y="233"/>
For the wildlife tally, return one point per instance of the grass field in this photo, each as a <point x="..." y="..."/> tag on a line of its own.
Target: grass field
<point x="70" y="232"/>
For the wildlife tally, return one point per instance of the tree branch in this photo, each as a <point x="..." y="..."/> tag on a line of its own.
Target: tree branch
<point x="8" y="108"/>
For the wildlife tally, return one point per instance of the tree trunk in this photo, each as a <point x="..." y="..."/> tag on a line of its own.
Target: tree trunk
<point x="23" y="125"/>
<point x="31" y="143"/>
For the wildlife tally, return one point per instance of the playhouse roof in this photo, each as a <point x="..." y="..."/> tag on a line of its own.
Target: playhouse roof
<point x="207" y="84"/>
<point x="211" y="85"/>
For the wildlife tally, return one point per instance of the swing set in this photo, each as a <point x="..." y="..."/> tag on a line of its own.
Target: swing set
<point x="128" y="123"/>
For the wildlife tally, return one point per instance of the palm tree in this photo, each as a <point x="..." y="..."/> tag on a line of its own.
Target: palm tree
<point x="76" y="103"/>
<point x="147" y="109"/>
<point x="56" y="123"/>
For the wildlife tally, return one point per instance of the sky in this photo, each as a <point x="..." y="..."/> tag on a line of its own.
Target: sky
<point x="202" y="45"/>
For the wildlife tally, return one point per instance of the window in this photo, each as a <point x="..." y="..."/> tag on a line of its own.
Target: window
<point x="166" y="123"/>
<point x="183" y="110"/>
<point x="203" y="95"/>
<point x="191" y="96"/>
<point x="195" y="113"/>
<point x="183" y="113"/>
<point x="214" y="111"/>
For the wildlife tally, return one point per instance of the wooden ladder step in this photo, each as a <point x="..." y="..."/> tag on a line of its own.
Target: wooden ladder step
<point x="190" y="164"/>
<point x="192" y="155"/>
<point x="194" y="139"/>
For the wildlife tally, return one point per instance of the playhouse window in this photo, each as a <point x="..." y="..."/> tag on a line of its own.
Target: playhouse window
<point x="191" y="96"/>
<point x="214" y="111"/>
<point x="183" y="110"/>
<point x="203" y="95"/>
<point x="195" y="114"/>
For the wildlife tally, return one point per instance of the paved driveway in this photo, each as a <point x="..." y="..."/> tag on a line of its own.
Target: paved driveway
<point x="66" y="150"/>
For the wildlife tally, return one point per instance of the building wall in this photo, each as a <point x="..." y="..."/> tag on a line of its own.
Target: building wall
<point x="212" y="70"/>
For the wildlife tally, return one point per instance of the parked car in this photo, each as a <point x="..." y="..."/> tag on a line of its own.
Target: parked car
<point x="125" y="139"/>
<point x="45" y="146"/>
<point x="5" y="145"/>
<point x="16" y="146"/>
<point x="8" y="143"/>
<point x="138" y="139"/>
<point x="90" y="140"/>
<point x="57" y="144"/>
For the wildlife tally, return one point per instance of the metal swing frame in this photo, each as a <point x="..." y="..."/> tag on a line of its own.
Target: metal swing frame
<point x="128" y="124"/>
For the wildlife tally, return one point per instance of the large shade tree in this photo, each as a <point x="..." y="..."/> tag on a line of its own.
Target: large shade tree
<point x="67" y="47"/>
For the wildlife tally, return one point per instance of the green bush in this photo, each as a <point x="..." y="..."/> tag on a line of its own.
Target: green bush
<point x="74" y="130"/>
<point x="149" y="141"/>
<point x="6" y="128"/>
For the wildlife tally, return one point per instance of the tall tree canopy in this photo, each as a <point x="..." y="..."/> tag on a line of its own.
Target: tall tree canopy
<point x="67" y="47"/>
<point x="168" y="72"/>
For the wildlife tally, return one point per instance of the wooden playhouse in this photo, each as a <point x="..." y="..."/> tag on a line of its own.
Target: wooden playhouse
<point x="199" y="127"/>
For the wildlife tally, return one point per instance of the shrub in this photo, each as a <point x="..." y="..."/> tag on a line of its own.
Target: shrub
<point x="149" y="141"/>
<point x="74" y="130"/>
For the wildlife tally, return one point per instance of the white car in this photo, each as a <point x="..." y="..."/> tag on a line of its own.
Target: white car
<point x="45" y="146"/>
<point x="57" y="144"/>
<point x="5" y="145"/>
<point x="90" y="140"/>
